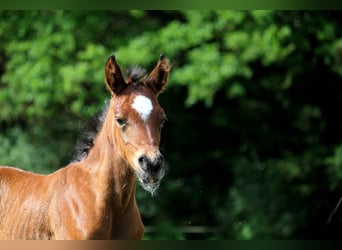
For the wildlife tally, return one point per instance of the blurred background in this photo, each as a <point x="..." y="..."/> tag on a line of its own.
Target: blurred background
<point x="253" y="143"/>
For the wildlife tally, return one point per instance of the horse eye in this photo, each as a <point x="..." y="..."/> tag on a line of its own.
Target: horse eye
<point x="121" y="122"/>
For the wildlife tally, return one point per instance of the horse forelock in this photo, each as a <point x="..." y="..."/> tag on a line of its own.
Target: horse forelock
<point x="135" y="75"/>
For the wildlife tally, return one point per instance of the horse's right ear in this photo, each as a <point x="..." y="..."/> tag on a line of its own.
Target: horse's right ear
<point x="113" y="76"/>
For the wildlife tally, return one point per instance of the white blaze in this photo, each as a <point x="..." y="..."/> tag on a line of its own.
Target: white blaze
<point x="143" y="106"/>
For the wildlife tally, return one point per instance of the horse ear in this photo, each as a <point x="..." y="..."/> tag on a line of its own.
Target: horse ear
<point x="160" y="74"/>
<point x="113" y="76"/>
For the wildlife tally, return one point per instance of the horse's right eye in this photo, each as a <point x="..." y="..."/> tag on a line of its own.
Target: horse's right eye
<point x="121" y="122"/>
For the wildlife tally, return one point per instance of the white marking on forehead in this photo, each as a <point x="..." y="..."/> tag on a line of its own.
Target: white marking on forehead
<point x="143" y="106"/>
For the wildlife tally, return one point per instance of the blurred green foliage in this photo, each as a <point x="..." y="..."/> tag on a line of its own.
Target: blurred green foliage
<point x="253" y="143"/>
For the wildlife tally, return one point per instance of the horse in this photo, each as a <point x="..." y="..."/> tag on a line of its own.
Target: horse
<point x="93" y="197"/>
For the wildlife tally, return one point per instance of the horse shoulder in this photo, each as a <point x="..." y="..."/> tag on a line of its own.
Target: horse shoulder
<point x="23" y="205"/>
<point x="74" y="208"/>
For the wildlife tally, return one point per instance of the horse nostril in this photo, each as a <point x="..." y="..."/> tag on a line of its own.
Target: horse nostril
<point x="160" y="160"/>
<point x="156" y="165"/>
<point x="152" y="166"/>
<point x="142" y="160"/>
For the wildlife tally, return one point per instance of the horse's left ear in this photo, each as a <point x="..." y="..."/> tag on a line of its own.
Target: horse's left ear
<point x="160" y="74"/>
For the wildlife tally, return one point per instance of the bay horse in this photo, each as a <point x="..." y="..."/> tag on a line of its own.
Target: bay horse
<point x="94" y="197"/>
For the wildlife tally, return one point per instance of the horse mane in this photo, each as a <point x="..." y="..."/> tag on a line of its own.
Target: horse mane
<point x="89" y="131"/>
<point x="134" y="75"/>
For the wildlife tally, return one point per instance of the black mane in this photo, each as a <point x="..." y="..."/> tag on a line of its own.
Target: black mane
<point x="89" y="132"/>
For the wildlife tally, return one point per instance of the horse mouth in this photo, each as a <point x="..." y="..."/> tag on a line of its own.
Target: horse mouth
<point x="150" y="182"/>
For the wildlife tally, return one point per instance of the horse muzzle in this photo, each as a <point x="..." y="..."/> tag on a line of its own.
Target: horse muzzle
<point x="151" y="171"/>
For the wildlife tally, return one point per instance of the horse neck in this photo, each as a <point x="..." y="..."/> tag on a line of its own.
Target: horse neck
<point x="110" y="171"/>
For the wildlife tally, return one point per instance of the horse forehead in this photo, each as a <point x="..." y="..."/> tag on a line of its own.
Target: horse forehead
<point x="143" y="106"/>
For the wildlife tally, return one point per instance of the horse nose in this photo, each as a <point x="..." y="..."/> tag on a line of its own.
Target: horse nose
<point x="153" y="166"/>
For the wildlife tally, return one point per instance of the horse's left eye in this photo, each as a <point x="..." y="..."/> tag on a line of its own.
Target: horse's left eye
<point x="121" y="122"/>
